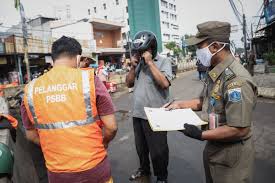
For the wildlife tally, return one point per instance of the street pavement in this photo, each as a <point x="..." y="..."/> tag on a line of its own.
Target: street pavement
<point x="185" y="163"/>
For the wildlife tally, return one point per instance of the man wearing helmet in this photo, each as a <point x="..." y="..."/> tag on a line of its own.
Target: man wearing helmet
<point x="150" y="75"/>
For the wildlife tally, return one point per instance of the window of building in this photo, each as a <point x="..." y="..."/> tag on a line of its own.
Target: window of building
<point x="164" y="3"/>
<point x="165" y="13"/>
<point x="95" y="9"/>
<point x="171" y="6"/>
<point x="89" y="12"/>
<point x="175" y="8"/>
<point x="166" y="24"/>
<point x="117" y="2"/>
<point x="175" y="27"/>
<point x="105" y="17"/>
<point x="176" y="37"/>
<point x="128" y="21"/>
<point x="126" y="9"/>
<point x="104" y="6"/>
<point x="173" y="16"/>
<point x="166" y="36"/>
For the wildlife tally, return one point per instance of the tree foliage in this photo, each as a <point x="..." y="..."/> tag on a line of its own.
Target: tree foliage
<point x="191" y="49"/>
<point x="173" y="47"/>
<point x="239" y="50"/>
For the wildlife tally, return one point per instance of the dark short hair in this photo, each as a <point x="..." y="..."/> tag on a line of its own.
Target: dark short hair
<point x="65" y="47"/>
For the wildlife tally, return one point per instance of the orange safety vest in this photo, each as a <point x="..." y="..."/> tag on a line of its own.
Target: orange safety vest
<point x="62" y="106"/>
<point x="12" y="120"/>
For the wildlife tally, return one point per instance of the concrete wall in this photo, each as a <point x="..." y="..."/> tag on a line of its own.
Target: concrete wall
<point x="81" y="31"/>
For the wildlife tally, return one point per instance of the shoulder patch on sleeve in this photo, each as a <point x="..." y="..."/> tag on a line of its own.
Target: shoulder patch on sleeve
<point x="234" y="84"/>
<point x="235" y="95"/>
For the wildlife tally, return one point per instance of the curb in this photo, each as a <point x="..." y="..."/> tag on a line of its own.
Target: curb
<point x="266" y="92"/>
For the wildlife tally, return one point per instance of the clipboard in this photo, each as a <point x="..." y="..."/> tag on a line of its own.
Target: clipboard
<point x="162" y="120"/>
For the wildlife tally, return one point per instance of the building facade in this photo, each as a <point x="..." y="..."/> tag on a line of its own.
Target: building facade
<point x="169" y="21"/>
<point x="111" y="10"/>
<point x="39" y="41"/>
<point x="263" y="41"/>
<point x="159" y="16"/>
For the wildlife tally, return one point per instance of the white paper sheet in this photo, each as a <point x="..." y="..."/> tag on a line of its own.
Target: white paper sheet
<point x="162" y="120"/>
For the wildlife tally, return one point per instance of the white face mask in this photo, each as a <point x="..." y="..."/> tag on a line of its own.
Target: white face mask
<point x="205" y="55"/>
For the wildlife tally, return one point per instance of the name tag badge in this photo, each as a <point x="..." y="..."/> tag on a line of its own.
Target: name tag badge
<point x="213" y="121"/>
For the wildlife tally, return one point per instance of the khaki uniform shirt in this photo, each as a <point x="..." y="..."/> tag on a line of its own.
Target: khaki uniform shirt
<point x="229" y="95"/>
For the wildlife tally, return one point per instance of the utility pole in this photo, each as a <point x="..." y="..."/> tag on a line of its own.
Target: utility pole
<point x="182" y="46"/>
<point x="243" y="23"/>
<point x="252" y="57"/>
<point x="25" y="42"/>
<point x="129" y="43"/>
<point x="251" y="29"/>
<point x="245" y="39"/>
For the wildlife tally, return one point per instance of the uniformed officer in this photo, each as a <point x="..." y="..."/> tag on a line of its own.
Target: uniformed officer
<point x="227" y="102"/>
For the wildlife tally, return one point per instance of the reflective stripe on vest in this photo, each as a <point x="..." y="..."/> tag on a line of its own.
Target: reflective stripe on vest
<point x="13" y="121"/>
<point x="66" y="124"/>
<point x="30" y="101"/>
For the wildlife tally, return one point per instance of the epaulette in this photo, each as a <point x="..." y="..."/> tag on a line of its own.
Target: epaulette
<point x="228" y="74"/>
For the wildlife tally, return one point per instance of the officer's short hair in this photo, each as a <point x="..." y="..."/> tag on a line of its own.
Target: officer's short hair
<point x="65" y="47"/>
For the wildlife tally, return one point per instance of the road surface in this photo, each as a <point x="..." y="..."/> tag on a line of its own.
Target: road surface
<point x="185" y="163"/>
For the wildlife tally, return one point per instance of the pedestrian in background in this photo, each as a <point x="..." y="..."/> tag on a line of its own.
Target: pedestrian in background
<point x="227" y="103"/>
<point x="102" y="72"/>
<point x="65" y="111"/>
<point x="150" y="75"/>
<point x="85" y="61"/>
<point x="201" y="70"/>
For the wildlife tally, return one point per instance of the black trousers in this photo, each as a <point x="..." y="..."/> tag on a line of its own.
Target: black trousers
<point x="154" y="143"/>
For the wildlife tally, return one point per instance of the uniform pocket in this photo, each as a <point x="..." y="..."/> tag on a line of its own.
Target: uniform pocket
<point x="219" y="107"/>
<point x="225" y="154"/>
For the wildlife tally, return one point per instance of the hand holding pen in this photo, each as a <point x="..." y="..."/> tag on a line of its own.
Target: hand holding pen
<point x="171" y="105"/>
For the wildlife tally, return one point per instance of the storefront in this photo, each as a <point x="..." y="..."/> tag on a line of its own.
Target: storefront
<point x="108" y="41"/>
<point x="112" y="58"/>
<point x="9" y="75"/>
<point x="264" y="39"/>
<point x="12" y="65"/>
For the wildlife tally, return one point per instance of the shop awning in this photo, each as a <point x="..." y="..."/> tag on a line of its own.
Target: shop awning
<point x="259" y="39"/>
<point x="104" y="51"/>
<point x="267" y="26"/>
<point x="102" y="24"/>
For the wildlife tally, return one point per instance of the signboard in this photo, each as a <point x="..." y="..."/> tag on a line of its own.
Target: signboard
<point x="2" y="47"/>
<point x="269" y="10"/>
<point x="145" y="15"/>
<point x="35" y="45"/>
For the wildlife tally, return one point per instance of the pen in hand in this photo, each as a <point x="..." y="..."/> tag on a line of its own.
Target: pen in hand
<point x="169" y="103"/>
